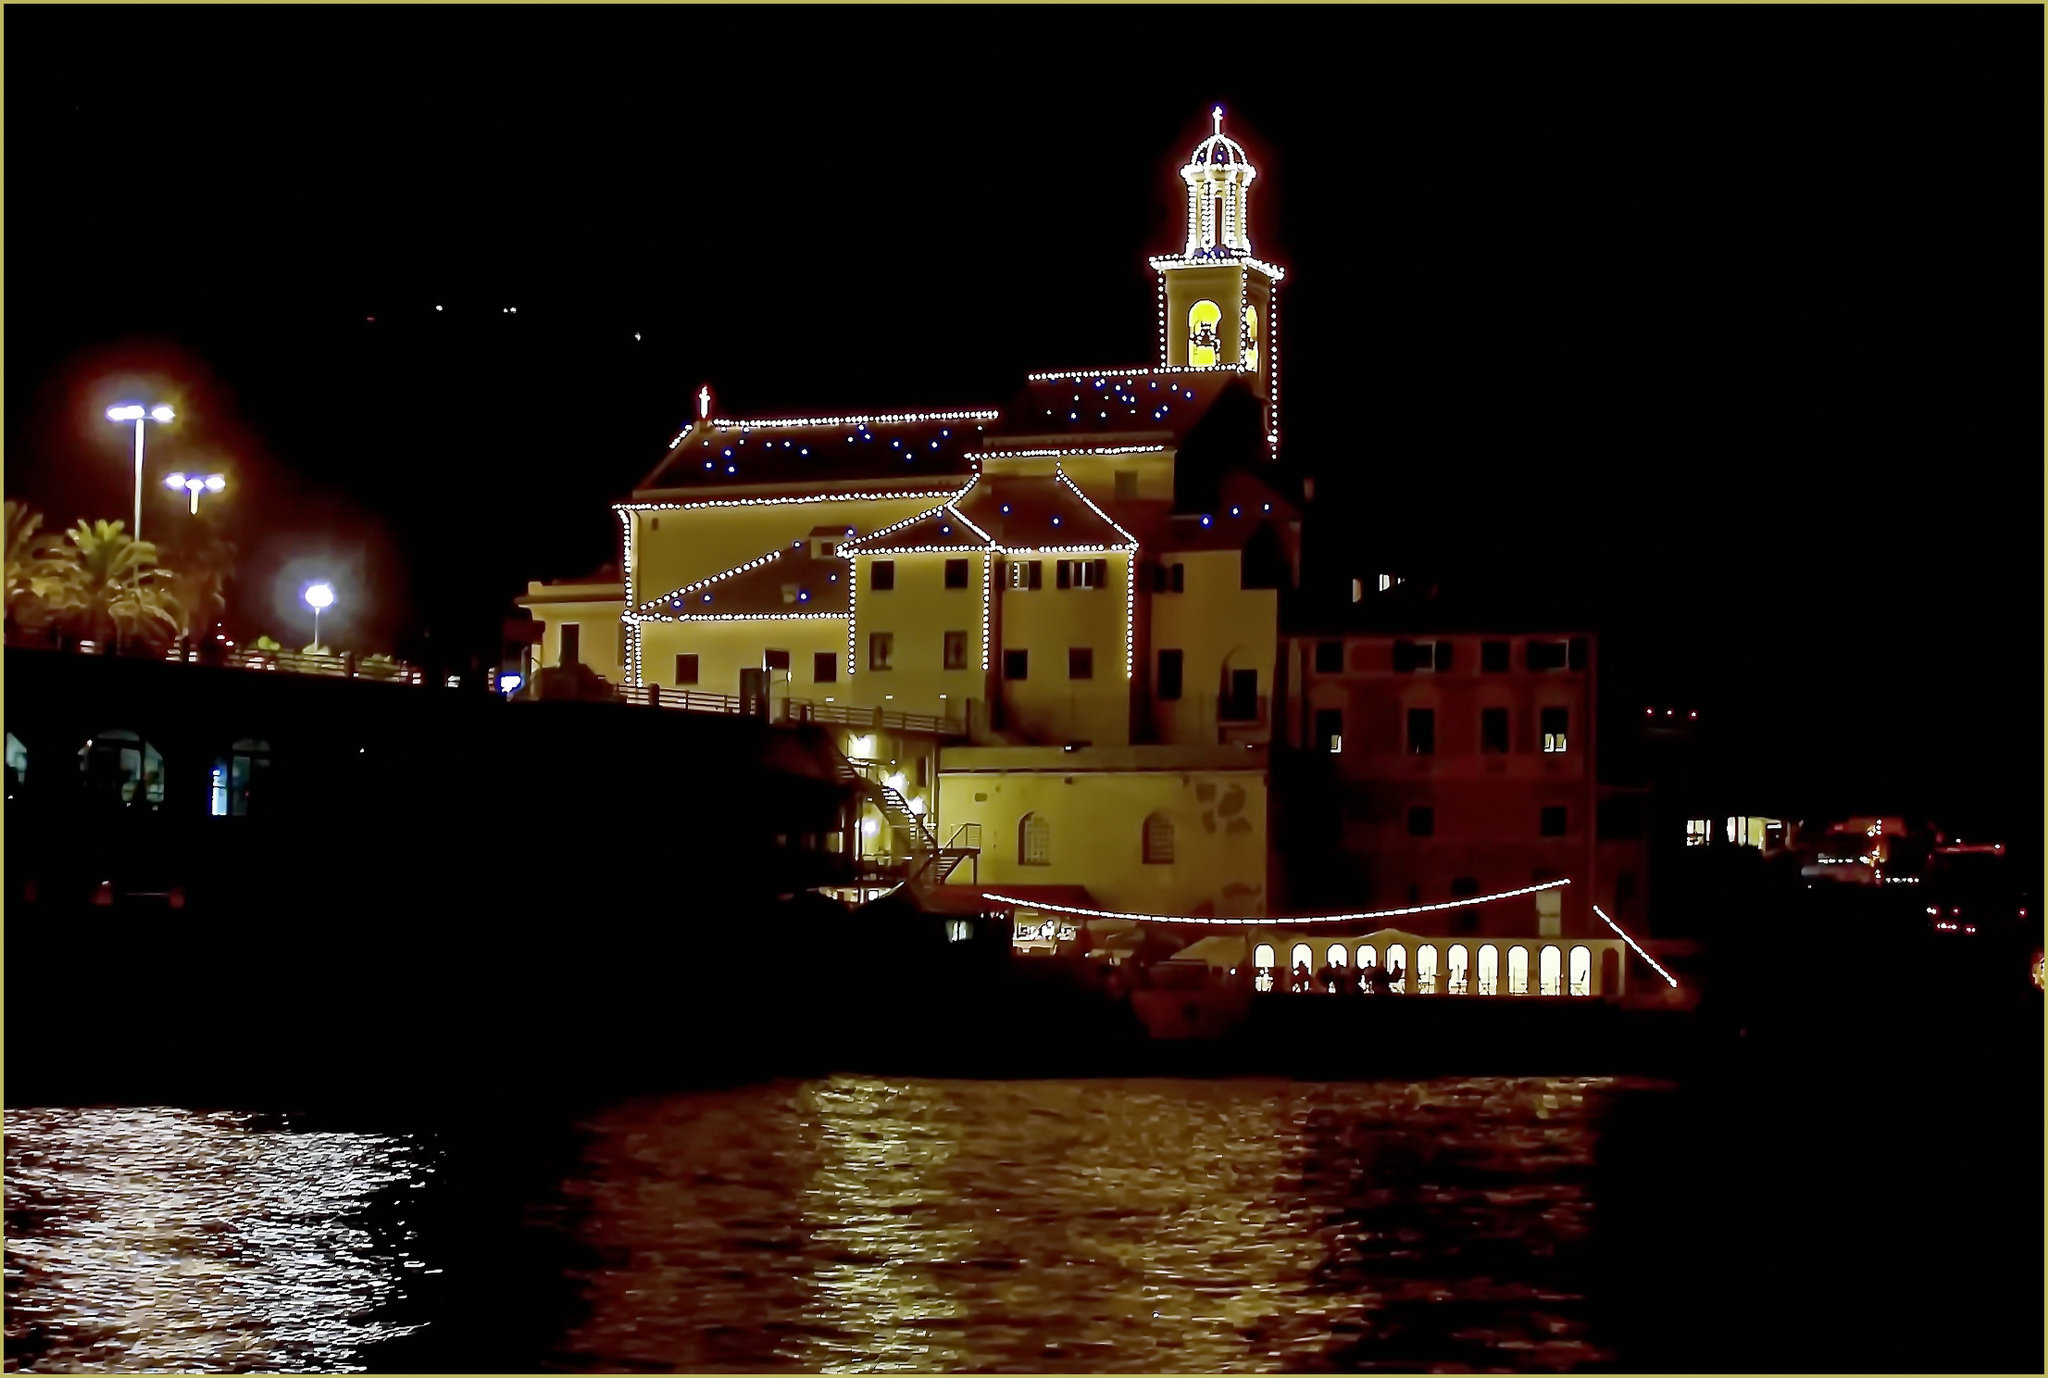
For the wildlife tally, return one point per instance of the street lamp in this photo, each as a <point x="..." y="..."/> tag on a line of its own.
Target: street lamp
<point x="131" y="411"/>
<point x="318" y="596"/>
<point x="195" y="484"/>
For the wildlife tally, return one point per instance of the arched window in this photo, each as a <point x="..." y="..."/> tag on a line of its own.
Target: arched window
<point x="120" y="768"/>
<point x="1425" y="969"/>
<point x="1582" y="971"/>
<point x="1262" y="966"/>
<point x="1034" y="840"/>
<point x="1459" y="966"/>
<point x="1518" y="971"/>
<point x="1337" y="956"/>
<point x="1489" y="969"/>
<point x="1550" y="971"/>
<point x="1397" y="958"/>
<point x="1251" y="338"/>
<point x="1301" y="957"/>
<point x="1203" y="318"/>
<point x="1368" y="956"/>
<point x="1158" y="840"/>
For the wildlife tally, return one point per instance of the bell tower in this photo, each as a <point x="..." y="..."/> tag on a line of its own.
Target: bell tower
<point x="1217" y="299"/>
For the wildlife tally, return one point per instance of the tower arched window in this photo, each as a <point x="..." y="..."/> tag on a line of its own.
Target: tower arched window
<point x="1251" y="338"/>
<point x="1203" y="345"/>
<point x="1034" y="840"/>
<point x="1158" y="840"/>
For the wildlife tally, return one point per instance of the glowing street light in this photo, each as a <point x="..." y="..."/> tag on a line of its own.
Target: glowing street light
<point x="131" y="411"/>
<point x="318" y="596"/>
<point x="195" y="484"/>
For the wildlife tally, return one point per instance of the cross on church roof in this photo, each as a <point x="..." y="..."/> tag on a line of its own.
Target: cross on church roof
<point x="1217" y="113"/>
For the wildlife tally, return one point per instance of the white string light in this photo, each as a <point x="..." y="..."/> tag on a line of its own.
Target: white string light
<point x="1128" y="376"/>
<point x="988" y="563"/>
<point x="1078" y="450"/>
<point x="1276" y="920"/>
<point x="1672" y="980"/>
<point x="884" y="419"/>
<point x="710" y="579"/>
<point x="869" y="496"/>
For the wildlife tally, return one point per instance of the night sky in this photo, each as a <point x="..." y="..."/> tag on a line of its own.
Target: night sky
<point x="1723" y="323"/>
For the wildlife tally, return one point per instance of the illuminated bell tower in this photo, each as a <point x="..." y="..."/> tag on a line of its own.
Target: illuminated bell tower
<point x="1216" y="298"/>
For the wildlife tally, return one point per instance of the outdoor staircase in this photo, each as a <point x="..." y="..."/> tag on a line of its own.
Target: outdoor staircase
<point x="923" y="861"/>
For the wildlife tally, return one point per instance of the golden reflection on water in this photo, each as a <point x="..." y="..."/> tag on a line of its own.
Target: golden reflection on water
<point x="866" y="1225"/>
<point x="175" y="1240"/>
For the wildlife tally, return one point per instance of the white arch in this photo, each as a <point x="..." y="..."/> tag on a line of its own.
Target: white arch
<point x="1550" y="970"/>
<point x="1489" y="969"/>
<point x="1425" y="969"/>
<point x="1518" y="970"/>
<point x="1397" y="956"/>
<point x="1582" y="971"/>
<point x="1460" y="967"/>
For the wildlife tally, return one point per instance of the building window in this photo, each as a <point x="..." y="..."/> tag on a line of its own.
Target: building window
<point x="956" y="574"/>
<point x="1203" y="344"/>
<point x="1696" y="832"/>
<point x="956" y="650"/>
<point x="1169" y="674"/>
<point x="1336" y="956"/>
<point x="1457" y="965"/>
<point x="1083" y="574"/>
<point x="1410" y="656"/>
<point x="1518" y="971"/>
<point x="1158" y="840"/>
<point x="1582" y="971"/>
<point x="1034" y="841"/>
<point x="1016" y="664"/>
<point x="1553" y="820"/>
<point x="1555" y="723"/>
<point x="1329" y="657"/>
<point x="1263" y="959"/>
<point x="1425" y="969"/>
<point x="1299" y="959"/>
<point x="1548" y="655"/>
<point x="824" y="667"/>
<point x="1549" y="913"/>
<point x="1126" y="484"/>
<point x="1080" y="662"/>
<point x="240" y="776"/>
<point x="1550" y="972"/>
<point x="1027" y="574"/>
<point x="572" y="644"/>
<point x="1493" y="656"/>
<point x="1368" y="956"/>
<point x="882" y="575"/>
<point x="1421" y="821"/>
<point x="1493" y="731"/>
<point x="17" y="765"/>
<point x="1489" y="969"/>
<point x="622" y="643"/>
<point x="1422" y="732"/>
<point x="881" y="645"/>
<point x="1397" y="967"/>
<point x="686" y="669"/>
<point x="1177" y="578"/>
<point x="1329" y="730"/>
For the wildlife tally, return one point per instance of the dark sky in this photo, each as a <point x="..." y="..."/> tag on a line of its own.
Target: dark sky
<point x="1723" y="321"/>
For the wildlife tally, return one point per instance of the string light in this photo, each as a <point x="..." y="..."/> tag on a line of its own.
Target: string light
<point x="708" y="580"/>
<point x="1673" y="980"/>
<point x="884" y="495"/>
<point x="1276" y="920"/>
<point x="884" y="419"/>
<point x="1130" y="376"/>
<point x="987" y="567"/>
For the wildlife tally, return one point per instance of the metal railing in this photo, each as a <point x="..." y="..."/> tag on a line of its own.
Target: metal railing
<point x="344" y="666"/>
<point x="795" y="710"/>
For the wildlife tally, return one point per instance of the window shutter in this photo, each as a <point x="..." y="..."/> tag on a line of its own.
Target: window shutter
<point x="1404" y="657"/>
<point x="1102" y="574"/>
<point x="1159" y="578"/>
<point x="1443" y="655"/>
<point x="1037" y="574"/>
<point x="1065" y="573"/>
<point x="1179" y="578"/>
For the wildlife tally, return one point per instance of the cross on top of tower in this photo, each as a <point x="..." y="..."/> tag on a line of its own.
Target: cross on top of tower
<point x="1217" y="114"/>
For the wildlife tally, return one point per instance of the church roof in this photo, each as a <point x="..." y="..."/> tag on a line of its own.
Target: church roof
<point x="785" y="580"/>
<point x="726" y="454"/>
<point x="941" y="528"/>
<point x="1117" y="402"/>
<point x="1039" y="512"/>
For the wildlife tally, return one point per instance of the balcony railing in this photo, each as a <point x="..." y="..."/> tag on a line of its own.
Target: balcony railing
<point x="795" y="710"/>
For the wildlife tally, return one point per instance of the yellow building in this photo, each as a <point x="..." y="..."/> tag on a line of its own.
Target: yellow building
<point x="1050" y="632"/>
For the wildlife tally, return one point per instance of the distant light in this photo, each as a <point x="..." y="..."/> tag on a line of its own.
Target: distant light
<point x="125" y="412"/>
<point x="174" y="480"/>
<point x="440" y="308"/>
<point x="319" y="596"/>
<point x="161" y="413"/>
<point x="636" y="334"/>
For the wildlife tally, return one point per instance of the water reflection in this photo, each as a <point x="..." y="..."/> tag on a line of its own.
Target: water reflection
<point x="170" y="1239"/>
<point x="863" y="1225"/>
<point x="851" y="1224"/>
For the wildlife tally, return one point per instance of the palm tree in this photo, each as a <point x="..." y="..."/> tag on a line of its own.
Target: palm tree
<point x="110" y="589"/>
<point x="32" y="566"/>
<point x="198" y="589"/>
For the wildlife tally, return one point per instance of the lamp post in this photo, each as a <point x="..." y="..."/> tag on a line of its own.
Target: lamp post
<point x="318" y="596"/>
<point x="195" y="484"/>
<point x="132" y="411"/>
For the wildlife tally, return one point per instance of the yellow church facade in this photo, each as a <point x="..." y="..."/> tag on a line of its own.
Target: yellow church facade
<point x="1048" y="634"/>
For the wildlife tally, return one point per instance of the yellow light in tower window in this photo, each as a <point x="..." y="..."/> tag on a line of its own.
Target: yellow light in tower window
<point x="1251" y="338"/>
<point x="1203" y="318"/>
